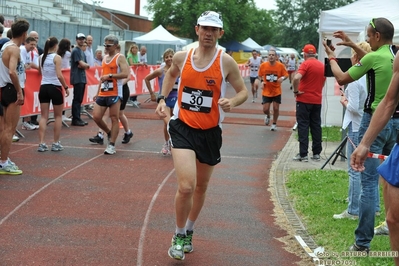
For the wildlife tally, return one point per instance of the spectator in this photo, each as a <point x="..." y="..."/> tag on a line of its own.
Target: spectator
<point x="89" y="50"/>
<point x="78" y="79"/>
<point x="64" y="51"/>
<point x="30" y="59"/>
<point x="307" y="85"/>
<point x="133" y="59"/>
<point x="98" y="59"/>
<point x="378" y="68"/>
<point x="353" y="100"/>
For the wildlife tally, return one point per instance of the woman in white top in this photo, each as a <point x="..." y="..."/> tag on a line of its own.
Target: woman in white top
<point x="51" y="90"/>
<point x="64" y="50"/>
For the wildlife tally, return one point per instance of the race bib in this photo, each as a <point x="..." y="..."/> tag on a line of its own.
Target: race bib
<point x="271" y="78"/>
<point x="107" y="85"/>
<point x="196" y="100"/>
<point x="291" y="68"/>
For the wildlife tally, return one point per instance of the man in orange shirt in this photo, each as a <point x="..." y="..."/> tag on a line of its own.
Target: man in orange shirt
<point x="114" y="70"/>
<point x="273" y="73"/>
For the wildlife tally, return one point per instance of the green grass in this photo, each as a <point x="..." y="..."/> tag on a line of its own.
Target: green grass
<point x="316" y="196"/>
<point x="332" y="134"/>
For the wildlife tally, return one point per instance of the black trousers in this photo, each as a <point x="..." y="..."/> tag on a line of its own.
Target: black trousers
<point x="308" y="117"/>
<point x="78" y="93"/>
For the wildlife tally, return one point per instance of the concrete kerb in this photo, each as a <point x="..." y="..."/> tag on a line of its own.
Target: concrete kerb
<point x="286" y="217"/>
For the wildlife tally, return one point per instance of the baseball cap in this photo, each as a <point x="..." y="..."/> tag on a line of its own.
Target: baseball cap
<point x="309" y="49"/>
<point x="80" y="36"/>
<point x="211" y="19"/>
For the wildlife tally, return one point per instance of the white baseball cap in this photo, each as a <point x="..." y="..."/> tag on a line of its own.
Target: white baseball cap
<point x="211" y="19"/>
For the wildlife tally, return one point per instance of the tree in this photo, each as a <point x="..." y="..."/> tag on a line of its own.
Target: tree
<point x="298" y="21"/>
<point x="241" y="18"/>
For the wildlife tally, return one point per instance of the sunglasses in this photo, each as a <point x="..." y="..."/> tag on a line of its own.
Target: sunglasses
<point x="373" y="25"/>
<point x="108" y="45"/>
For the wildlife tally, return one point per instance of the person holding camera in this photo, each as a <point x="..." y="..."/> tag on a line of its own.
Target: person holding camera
<point x="353" y="99"/>
<point x="378" y="68"/>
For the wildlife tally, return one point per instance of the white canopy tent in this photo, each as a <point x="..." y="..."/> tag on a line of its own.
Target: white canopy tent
<point x="159" y="35"/>
<point x="195" y="45"/>
<point x="251" y="43"/>
<point x="353" y="19"/>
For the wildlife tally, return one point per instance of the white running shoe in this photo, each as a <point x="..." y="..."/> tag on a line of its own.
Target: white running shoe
<point x="273" y="127"/>
<point x="110" y="149"/>
<point x="28" y="126"/>
<point x="66" y="119"/>
<point x="15" y="138"/>
<point x="267" y="120"/>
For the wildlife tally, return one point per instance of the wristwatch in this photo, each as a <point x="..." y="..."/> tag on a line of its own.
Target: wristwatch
<point x="66" y="88"/>
<point x="110" y="76"/>
<point x="160" y="97"/>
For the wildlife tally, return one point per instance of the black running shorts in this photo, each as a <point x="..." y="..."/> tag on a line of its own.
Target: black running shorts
<point x="51" y="92"/>
<point x="8" y="95"/>
<point x="205" y="143"/>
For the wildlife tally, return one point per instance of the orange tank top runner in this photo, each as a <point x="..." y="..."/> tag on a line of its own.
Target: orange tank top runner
<point x="199" y="93"/>
<point x="112" y="86"/>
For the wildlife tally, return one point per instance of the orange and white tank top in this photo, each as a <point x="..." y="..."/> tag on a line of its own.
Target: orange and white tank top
<point x="199" y="92"/>
<point x="111" y="87"/>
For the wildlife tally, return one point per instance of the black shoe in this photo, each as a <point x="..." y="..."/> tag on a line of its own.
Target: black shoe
<point x="84" y="122"/>
<point x="127" y="137"/>
<point x="355" y="247"/>
<point x="97" y="139"/>
<point x="77" y="123"/>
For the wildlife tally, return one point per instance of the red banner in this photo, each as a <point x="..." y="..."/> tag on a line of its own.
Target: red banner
<point x="136" y="84"/>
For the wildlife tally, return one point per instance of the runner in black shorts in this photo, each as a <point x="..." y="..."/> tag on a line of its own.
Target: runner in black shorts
<point x="9" y="95"/>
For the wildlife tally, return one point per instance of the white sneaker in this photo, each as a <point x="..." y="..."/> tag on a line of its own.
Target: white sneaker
<point x="66" y="119"/>
<point x="15" y="138"/>
<point x="273" y="127"/>
<point x="28" y="126"/>
<point x="345" y="215"/>
<point x="110" y="149"/>
<point x="267" y="120"/>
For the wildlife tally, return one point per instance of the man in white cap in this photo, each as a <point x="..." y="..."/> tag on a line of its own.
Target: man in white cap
<point x="195" y="128"/>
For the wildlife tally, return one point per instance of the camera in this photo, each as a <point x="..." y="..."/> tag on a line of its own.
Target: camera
<point x="328" y="42"/>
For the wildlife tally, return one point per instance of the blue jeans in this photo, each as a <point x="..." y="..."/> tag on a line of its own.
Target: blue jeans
<point x="369" y="180"/>
<point x="354" y="177"/>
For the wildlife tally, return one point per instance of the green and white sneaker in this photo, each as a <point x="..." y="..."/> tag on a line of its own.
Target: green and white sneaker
<point x="8" y="169"/>
<point x="188" y="242"/>
<point x="382" y="229"/>
<point x="176" y="250"/>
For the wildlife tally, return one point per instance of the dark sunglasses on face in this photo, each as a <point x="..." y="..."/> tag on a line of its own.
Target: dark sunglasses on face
<point x="108" y="45"/>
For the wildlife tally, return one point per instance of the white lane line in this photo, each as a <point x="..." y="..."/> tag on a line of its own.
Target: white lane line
<point x="147" y="218"/>
<point x="44" y="187"/>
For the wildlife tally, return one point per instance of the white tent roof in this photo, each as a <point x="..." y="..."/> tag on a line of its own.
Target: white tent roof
<point x="355" y="17"/>
<point x="251" y="43"/>
<point x="159" y="35"/>
<point x="195" y="45"/>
